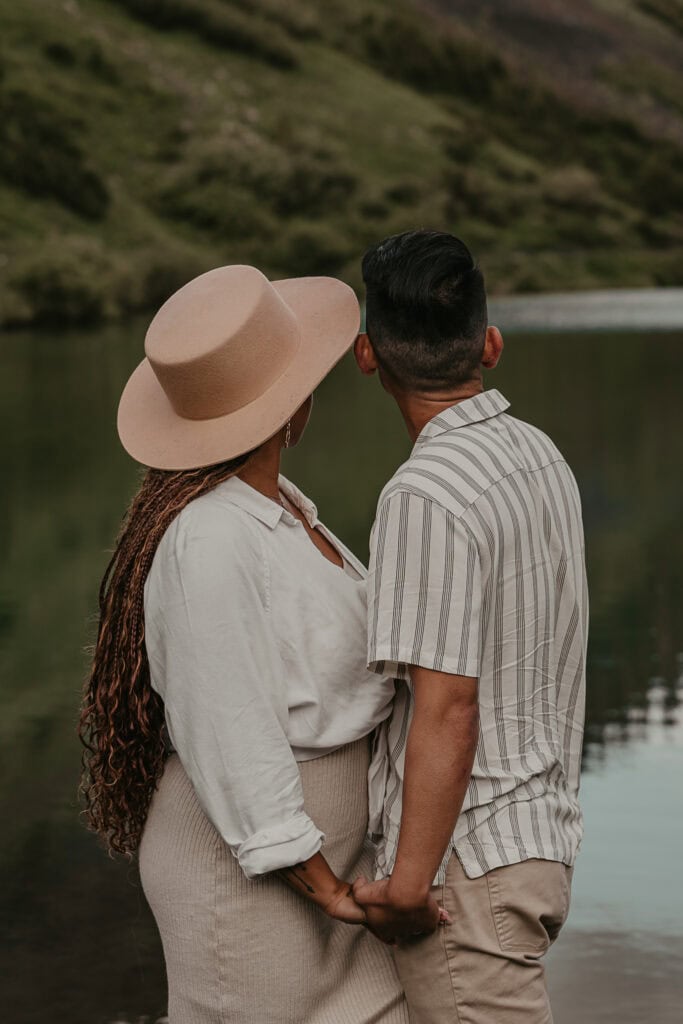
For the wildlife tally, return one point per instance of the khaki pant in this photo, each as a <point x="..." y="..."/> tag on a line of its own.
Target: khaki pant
<point x="486" y="967"/>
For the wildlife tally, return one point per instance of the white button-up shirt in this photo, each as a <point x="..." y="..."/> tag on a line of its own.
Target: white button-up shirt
<point x="477" y="569"/>
<point x="257" y="644"/>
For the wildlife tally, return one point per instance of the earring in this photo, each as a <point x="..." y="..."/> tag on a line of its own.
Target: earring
<point x="288" y="433"/>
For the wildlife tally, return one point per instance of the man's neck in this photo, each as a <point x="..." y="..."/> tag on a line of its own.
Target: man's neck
<point x="418" y="408"/>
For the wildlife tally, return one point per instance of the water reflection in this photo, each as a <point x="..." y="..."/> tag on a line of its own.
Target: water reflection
<point x="624" y="940"/>
<point x="81" y="946"/>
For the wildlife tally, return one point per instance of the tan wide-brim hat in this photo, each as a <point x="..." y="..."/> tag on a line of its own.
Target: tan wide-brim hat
<point x="229" y="358"/>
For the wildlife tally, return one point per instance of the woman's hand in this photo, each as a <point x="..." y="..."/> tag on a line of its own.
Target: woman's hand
<point x="343" y="907"/>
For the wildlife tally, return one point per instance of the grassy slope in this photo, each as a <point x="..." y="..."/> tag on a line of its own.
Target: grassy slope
<point x="133" y="156"/>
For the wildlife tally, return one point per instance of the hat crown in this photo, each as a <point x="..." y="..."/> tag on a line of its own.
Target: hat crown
<point x="221" y="341"/>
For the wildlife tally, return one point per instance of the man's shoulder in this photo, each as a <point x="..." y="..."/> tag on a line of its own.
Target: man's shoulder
<point x="395" y="485"/>
<point x="544" y="448"/>
<point x="455" y="468"/>
<point x="431" y="476"/>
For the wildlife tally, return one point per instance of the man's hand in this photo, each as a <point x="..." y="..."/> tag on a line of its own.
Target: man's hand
<point x="393" y="920"/>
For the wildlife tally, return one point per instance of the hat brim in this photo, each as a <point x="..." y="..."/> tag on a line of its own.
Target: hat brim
<point x="155" y="435"/>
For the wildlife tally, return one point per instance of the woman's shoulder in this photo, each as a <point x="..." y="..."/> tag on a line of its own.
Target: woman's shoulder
<point x="215" y="520"/>
<point x="211" y="546"/>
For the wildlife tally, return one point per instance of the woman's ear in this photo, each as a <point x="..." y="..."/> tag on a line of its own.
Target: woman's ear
<point x="365" y="354"/>
<point x="493" y="348"/>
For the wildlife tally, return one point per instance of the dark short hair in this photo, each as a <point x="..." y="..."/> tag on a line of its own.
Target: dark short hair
<point x="425" y="308"/>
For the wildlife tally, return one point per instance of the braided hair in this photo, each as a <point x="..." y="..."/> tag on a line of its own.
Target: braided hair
<point x="121" y="724"/>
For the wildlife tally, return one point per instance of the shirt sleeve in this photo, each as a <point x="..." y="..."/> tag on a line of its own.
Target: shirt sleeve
<point x="214" y="660"/>
<point x="424" y="589"/>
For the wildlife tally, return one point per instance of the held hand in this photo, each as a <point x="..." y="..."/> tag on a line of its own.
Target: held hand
<point x="315" y="880"/>
<point x="395" y="921"/>
<point x="343" y="907"/>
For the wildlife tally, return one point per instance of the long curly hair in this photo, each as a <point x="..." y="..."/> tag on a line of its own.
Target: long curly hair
<point x="121" y="723"/>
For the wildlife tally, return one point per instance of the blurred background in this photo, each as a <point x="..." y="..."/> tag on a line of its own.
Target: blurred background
<point x="145" y="141"/>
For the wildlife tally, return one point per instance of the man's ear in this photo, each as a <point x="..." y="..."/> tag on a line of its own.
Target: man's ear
<point x="365" y="355"/>
<point x="493" y="348"/>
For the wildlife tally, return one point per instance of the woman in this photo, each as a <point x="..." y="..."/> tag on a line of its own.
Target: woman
<point x="228" y="715"/>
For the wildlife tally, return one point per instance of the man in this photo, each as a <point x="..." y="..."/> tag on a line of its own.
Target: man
<point x="477" y="598"/>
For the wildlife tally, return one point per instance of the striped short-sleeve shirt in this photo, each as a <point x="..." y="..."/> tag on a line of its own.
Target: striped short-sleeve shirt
<point x="477" y="568"/>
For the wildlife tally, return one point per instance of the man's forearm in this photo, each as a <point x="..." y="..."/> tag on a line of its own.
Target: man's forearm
<point x="439" y="755"/>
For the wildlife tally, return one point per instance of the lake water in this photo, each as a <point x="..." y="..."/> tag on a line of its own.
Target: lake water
<point x="79" y="945"/>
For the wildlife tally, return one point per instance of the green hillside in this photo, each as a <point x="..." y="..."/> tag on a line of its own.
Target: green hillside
<point x="143" y="141"/>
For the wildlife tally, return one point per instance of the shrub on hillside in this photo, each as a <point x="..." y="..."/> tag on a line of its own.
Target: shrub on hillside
<point x="83" y="53"/>
<point x="580" y="229"/>
<point x="666" y="267"/>
<point x="373" y="209"/>
<point x="464" y="143"/>
<point x="660" y="183"/>
<point x="480" y="194"/>
<point x="298" y="17"/>
<point x="312" y="185"/>
<point x="404" y="193"/>
<point x="237" y="189"/>
<point x="39" y="154"/>
<point x="63" y="282"/>
<point x="527" y="114"/>
<point x="73" y="280"/>
<point x="660" y="232"/>
<point x="557" y="134"/>
<point x="310" y="249"/>
<point x="402" y="43"/>
<point x="217" y="206"/>
<point x="668" y="11"/>
<point x="149" y="277"/>
<point x="220" y="25"/>
<point x="574" y="187"/>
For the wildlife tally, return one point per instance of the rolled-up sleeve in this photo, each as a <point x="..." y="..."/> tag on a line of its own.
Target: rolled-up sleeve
<point x="214" y="660"/>
<point x="424" y="589"/>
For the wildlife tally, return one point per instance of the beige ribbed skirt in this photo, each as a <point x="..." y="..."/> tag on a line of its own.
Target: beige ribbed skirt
<point x="255" y="952"/>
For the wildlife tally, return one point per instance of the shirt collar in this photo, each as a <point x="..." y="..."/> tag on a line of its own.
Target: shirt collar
<point x="298" y="498"/>
<point x="239" y="493"/>
<point x="246" y="497"/>
<point x="472" y="410"/>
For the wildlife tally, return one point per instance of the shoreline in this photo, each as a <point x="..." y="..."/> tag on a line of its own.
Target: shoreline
<point x="613" y="309"/>
<point x="610" y="309"/>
